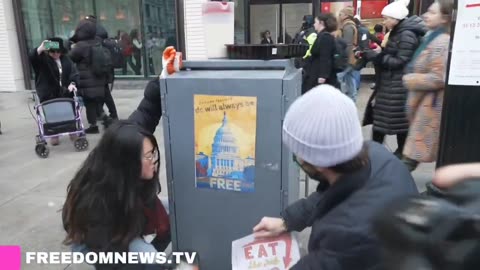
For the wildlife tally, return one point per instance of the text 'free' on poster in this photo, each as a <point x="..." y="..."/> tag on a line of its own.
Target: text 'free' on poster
<point x="225" y="137"/>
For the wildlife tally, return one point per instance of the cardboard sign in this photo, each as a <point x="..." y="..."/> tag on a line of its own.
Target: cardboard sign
<point x="278" y="253"/>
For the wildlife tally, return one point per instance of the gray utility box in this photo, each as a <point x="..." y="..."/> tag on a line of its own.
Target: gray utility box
<point x="226" y="164"/>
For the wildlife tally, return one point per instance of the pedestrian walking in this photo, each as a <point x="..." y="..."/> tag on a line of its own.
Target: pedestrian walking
<point x="425" y="81"/>
<point x="389" y="99"/>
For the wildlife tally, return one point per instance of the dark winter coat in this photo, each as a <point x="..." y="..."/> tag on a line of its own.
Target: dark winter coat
<point x="47" y="76"/>
<point x="389" y="115"/>
<point x="149" y="111"/>
<point x="320" y="63"/>
<point x="91" y="85"/>
<point x="341" y="216"/>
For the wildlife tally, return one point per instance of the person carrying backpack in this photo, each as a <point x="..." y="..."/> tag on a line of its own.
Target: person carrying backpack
<point x="115" y="52"/>
<point x="320" y="66"/>
<point x="349" y="33"/>
<point x="92" y="63"/>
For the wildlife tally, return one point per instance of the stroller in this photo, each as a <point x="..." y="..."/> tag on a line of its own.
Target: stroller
<point x="59" y="117"/>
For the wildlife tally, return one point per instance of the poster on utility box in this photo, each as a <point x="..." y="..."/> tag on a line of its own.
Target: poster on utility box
<point x="225" y="137"/>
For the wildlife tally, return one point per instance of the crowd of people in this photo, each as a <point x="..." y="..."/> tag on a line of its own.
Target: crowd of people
<point x="112" y="202"/>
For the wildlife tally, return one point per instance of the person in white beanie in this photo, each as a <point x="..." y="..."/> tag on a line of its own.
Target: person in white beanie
<point x="388" y="102"/>
<point x="356" y="179"/>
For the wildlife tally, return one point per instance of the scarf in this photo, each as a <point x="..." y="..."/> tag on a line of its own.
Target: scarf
<point x="426" y="41"/>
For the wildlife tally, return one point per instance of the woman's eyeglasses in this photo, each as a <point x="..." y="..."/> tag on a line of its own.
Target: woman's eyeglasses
<point x="151" y="156"/>
<point x="54" y="51"/>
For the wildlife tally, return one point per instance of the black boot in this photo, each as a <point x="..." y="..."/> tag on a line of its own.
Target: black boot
<point x="92" y="130"/>
<point x="410" y="163"/>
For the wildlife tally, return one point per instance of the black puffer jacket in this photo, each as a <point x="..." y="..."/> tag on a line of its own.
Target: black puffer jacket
<point x="149" y="111"/>
<point x="389" y="115"/>
<point x="341" y="217"/>
<point x="91" y="86"/>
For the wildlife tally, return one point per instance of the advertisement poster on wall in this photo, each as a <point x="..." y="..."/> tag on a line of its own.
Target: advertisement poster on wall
<point x="225" y="138"/>
<point x="465" y="61"/>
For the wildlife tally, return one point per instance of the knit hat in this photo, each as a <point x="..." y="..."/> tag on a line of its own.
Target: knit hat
<point x="348" y="11"/>
<point x="322" y="127"/>
<point x="397" y="10"/>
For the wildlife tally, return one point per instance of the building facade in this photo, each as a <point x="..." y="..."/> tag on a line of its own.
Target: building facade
<point x="24" y="24"/>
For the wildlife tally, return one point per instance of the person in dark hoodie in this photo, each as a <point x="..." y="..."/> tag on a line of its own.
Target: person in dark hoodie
<point x="389" y="99"/>
<point x="102" y="35"/>
<point x="356" y="179"/>
<point x="92" y="86"/>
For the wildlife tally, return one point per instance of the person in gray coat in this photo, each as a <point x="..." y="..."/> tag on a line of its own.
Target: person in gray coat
<point x="356" y="179"/>
<point x="389" y="101"/>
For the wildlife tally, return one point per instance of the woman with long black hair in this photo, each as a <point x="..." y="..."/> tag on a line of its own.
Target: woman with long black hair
<point x="112" y="200"/>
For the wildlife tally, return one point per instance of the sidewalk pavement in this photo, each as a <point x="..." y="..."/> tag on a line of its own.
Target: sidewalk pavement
<point x="32" y="190"/>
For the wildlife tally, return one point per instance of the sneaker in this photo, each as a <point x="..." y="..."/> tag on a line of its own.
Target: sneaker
<point x="92" y="130"/>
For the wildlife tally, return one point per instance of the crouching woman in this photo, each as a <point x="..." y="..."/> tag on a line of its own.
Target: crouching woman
<point x="112" y="202"/>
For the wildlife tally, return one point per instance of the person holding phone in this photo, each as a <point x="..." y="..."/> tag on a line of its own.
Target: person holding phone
<point x="55" y="74"/>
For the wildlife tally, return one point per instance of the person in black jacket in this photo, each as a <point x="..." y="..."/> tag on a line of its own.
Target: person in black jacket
<point x="389" y="116"/>
<point x="149" y="111"/>
<point x="92" y="87"/>
<point x="356" y="179"/>
<point x="319" y="67"/>
<point x="266" y="37"/>
<point x="101" y="35"/>
<point x="55" y="74"/>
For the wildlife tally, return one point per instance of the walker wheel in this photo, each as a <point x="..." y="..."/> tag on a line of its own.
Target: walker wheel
<point x="42" y="151"/>
<point x="81" y="144"/>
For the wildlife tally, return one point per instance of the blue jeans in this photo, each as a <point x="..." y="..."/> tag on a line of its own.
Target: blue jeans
<point x="357" y="75"/>
<point x="348" y="82"/>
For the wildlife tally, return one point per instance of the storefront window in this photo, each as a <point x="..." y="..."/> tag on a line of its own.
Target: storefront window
<point x="239" y="37"/>
<point x="145" y="37"/>
<point x="121" y="19"/>
<point x="160" y="29"/>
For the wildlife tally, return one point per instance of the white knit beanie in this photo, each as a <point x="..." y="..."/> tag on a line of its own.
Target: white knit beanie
<point x="397" y="10"/>
<point x="322" y="127"/>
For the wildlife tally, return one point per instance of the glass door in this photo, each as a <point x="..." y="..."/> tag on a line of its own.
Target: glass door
<point x="264" y="18"/>
<point x="292" y="20"/>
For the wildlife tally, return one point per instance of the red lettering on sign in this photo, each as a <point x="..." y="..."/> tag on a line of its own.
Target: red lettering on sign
<point x="273" y="245"/>
<point x="262" y="252"/>
<point x="248" y="252"/>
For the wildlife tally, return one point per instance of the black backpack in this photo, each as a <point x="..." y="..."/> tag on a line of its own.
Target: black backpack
<point x="340" y="57"/>
<point x="116" y="52"/>
<point x="100" y="60"/>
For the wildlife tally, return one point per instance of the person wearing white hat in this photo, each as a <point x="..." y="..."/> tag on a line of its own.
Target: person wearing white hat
<point x="387" y="104"/>
<point x="356" y="179"/>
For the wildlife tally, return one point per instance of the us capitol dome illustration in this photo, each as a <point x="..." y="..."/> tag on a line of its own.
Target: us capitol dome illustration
<point x="225" y="160"/>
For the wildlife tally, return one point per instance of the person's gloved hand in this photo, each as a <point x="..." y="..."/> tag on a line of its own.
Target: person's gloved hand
<point x="72" y="87"/>
<point x="172" y="61"/>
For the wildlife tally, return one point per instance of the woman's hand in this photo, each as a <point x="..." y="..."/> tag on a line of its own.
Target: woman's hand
<point x="72" y="87"/>
<point x="321" y="80"/>
<point x="269" y="227"/>
<point x="41" y="48"/>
